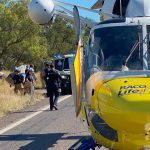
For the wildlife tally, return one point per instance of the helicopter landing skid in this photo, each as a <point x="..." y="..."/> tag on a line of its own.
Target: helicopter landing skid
<point x="84" y="143"/>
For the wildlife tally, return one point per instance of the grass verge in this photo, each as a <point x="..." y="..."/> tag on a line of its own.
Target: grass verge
<point x="10" y="102"/>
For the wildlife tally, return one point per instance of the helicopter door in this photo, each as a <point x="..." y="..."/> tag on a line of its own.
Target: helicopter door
<point x="76" y="69"/>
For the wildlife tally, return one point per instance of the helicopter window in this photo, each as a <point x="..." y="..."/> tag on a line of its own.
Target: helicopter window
<point x="113" y="47"/>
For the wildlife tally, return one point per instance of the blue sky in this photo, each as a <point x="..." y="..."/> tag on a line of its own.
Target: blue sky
<point x="84" y="3"/>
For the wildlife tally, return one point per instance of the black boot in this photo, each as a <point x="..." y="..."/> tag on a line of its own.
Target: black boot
<point x="55" y="107"/>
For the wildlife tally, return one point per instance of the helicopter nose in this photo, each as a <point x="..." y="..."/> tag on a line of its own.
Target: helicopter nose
<point x="126" y="100"/>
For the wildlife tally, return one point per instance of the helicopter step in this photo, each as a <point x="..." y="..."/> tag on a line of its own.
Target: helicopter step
<point x="84" y="143"/>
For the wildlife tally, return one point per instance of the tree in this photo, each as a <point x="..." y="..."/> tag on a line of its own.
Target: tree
<point x="21" y="41"/>
<point x="61" y="37"/>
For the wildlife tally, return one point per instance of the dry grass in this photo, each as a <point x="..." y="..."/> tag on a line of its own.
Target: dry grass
<point x="10" y="102"/>
<point x="38" y="81"/>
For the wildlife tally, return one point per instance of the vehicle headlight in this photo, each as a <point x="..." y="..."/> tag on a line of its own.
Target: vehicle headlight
<point x="64" y="77"/>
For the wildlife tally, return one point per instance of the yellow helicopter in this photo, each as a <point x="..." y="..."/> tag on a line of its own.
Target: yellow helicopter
<point x="112" y="75"/>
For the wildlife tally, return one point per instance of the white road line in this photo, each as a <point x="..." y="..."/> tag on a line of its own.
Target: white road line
<point x="13" y="125"/>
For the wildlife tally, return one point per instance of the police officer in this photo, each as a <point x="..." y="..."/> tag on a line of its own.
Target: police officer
<point x="53" y="78"/>
<point x="45" y="75"/>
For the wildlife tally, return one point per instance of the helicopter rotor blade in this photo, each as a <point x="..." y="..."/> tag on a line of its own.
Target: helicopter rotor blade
<point x="84" y="21"/>
<point x="66" y="10"/>
<point x="57" y="2"/>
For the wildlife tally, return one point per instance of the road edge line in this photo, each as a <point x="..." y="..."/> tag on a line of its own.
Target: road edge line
<point x="39" y="111"/>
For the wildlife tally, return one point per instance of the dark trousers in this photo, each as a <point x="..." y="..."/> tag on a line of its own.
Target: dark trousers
<point x="46" y="86"/>
<point x="53" y="94"/>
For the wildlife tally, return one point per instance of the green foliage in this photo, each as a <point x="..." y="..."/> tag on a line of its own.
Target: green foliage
<point x="86" y="32"/>
<point x="61" y="37"/>
<point x="20" y="40"/>
<point x="23" y="42"/>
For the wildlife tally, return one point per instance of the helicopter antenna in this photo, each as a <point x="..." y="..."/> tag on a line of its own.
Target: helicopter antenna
<point x="121" y="8"/>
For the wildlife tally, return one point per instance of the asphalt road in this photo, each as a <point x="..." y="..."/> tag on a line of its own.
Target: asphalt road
<point x="48" y="130"/>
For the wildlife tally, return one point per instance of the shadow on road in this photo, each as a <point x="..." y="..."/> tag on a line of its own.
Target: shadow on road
<point x="39" y="141"/>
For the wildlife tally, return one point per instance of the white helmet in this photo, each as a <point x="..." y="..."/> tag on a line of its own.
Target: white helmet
<point x="41" y="11"/>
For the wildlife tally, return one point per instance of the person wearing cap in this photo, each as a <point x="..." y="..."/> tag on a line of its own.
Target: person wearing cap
<point x="31" y="67"/>
<point x="53" y="78"/>
<point x="29" y="82"/>
<point x="18" y="82"/>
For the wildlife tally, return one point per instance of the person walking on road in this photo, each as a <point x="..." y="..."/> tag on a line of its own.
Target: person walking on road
<point x="53" y="78"/>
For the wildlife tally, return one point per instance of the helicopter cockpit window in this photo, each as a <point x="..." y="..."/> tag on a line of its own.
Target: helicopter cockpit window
<point x="116" y="48"/>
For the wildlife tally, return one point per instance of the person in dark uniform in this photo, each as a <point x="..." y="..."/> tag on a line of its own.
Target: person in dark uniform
<point x="18" y="80"/>
<point x="45" y="76"/>
<point x="46" y="72"/>
<point x="53" y="78"/>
